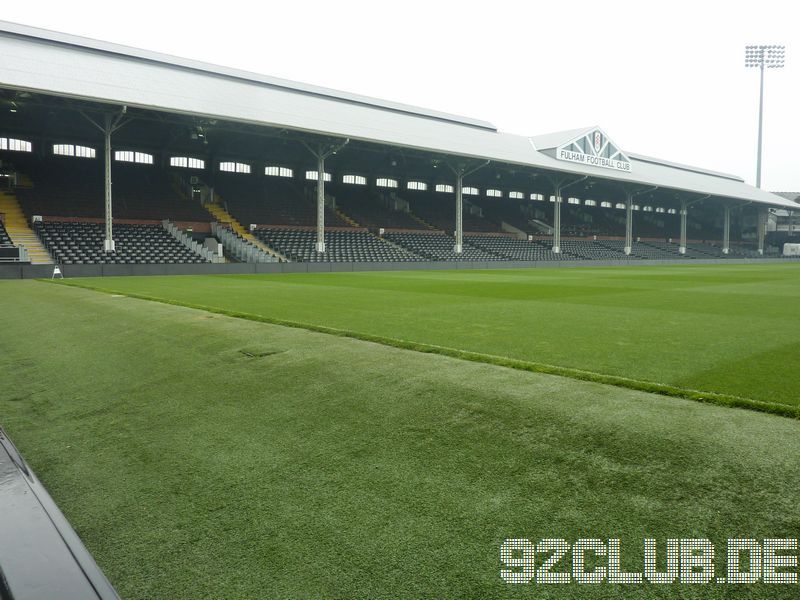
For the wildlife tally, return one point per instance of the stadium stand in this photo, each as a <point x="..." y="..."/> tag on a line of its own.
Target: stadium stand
<point x="645" y="250"/>
<point x="513" y="248"/>
<point x="5" y="241"/>
<point x="439" y="211"/>
<point x="270" y="201"/>
<point x="576" y="222"/>
<point x="82" y="243"/>
<point x="692" y="250"/>
<point x="241" y="248"/>
<point x="67" y="187"/>
<point x="517" y="213"/>
<point x="602" y="221"/>
<point x="351" y="245"/>
<point x="742" y="251"/>
<point x="589" y="250"/>
<point x="437" y="246"/>
<point x="417" y="226"/>
<point x="372" y="210"/>
<point x="581" y="220"/>
<point x="8" y="251"/>
<point x="386" y="198"/>
<point x="705" y="251"/>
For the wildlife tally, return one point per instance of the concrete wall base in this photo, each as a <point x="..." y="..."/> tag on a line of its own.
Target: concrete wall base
<point x="27" y="271"/>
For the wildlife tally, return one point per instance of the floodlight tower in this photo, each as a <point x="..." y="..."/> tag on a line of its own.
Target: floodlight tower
<point x="770" y="57"/>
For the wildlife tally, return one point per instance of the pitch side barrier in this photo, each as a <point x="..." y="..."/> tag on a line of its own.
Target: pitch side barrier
<point x="46" y="271"/>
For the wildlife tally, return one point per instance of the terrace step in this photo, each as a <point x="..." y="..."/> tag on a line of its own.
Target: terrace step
<point x="421" y="221"/>
<point x="19" y="231"/>
<point x="346" y="218"/>
<point x="223" y="216"/>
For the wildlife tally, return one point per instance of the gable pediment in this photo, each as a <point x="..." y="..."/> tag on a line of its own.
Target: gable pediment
<point x="596" y="149"/>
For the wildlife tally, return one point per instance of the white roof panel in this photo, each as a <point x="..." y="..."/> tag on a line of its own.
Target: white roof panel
<point x="548" y="141"/>
<point x="60" y="64"/>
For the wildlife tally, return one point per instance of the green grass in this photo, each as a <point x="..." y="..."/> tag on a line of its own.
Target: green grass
<point x="730" y="332"/>
<point x="200" y="455"/>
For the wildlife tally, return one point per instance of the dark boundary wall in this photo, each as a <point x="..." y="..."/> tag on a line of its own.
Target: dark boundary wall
<point x="27" y="271"/>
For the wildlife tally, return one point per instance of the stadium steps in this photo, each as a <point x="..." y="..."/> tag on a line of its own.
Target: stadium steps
<point x="223" y="216"/>
<point x="20" y="233"/>
<point x="421" y="221"/>
<point x="541" y="227"/>
<point x="398" y="246"/>
<point x="346" y="218"/>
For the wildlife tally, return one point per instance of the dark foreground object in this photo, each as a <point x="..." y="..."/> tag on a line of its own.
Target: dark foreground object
<point x="41" y="556"/>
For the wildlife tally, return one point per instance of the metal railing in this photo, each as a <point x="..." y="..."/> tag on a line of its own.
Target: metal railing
<point x="240" y="248"/>
<point x="192" y="245"/>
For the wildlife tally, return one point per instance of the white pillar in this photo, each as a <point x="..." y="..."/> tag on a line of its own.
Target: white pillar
<point x="684" y="213"/>
<point x="762" y="229"/>
<point x="459" y="246"/>
<point x="108" y="243"/>
<point x="726" y="231"/>
<point x="628" y="223"/>
<point x="557" y="220"/>
<point x="320" y="246"/>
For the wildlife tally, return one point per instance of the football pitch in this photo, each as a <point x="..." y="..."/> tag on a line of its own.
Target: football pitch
<point x="728" y="330"/>
<point x="355" y="454"/>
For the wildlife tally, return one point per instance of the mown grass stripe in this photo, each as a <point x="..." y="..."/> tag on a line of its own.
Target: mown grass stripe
<point x="501" y="361"/>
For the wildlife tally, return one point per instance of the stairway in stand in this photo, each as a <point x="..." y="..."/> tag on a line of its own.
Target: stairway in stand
<point x="346" y="218"/>
<point x="20" y="233"/>
<point x="222" y="216"/>
<point x="421" y="221"/>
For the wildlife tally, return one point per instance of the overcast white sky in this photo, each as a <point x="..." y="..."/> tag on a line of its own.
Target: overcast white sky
<point x="665" y="79"/>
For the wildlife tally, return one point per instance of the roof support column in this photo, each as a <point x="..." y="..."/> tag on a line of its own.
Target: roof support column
<point x="109" y="126"/>
<point x="630" y="194"/>
<point x="684" y="214"/>
<point x="726" y="231"/>
<point x="762" y="228"/>
<point x="459" y="245"/>
<point x="791" y="223"/>
<point x="320" y="245"/>
<point x="558" y="188"/>
<point x="557" y="219"/>
<point x="628" y="223"/>
<point x="685" y="204"/>
<point x="460" y="171"/>
<point x="322" y="152"/>
<point x="108" y="242"/>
